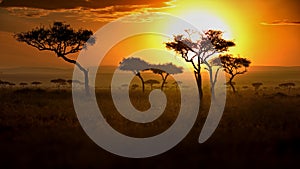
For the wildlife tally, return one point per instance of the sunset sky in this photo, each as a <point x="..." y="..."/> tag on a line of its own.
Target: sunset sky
<point x="265" y="31"/>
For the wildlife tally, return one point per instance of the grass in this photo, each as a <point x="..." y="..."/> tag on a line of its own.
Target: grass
<point x="39" y="129"/>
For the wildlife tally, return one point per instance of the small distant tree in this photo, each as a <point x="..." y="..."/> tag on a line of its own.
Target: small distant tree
<point x="60" y="39"/>
<point x="4" y="83"/>
<point x="70" y="82"/>
<point x="257" y="86"/>
<point x="134" y="86"/>
<point x="197" y="48"/>
<point x="23" y="84"/>
<point x="152" y="82"/>
<point x="11" y="84"/>
<point x="36" y="83"/>
<point x="124" y="85"/>
<point x="245" y="87"/>
<point x="177" y="83"/>
<point x="234" y="66"/>
<point x="287" y="85"/>
<point x="74" y="82"/>
<point x="164" y="70"/>
<point x="135" y="65"/>
<point x="59" y="82"/>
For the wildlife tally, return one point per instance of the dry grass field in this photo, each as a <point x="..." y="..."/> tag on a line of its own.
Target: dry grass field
<point x="39" y="129"/>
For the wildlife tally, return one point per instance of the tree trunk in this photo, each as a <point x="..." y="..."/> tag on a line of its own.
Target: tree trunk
<point x="164" y="79"/>
<point x="143" y="83"/>
<point x="86" y="82"/>
<point x="232" y="86"/>
<point x="199" y="79"/>
<point x="85" y="72"/>
<point x="199" y="83"/>
<point x="212" y="84"/>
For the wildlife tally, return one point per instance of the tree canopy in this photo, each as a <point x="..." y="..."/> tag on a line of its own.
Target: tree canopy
<point x="196" y="48"/>
<point x="164" y="70"/>
<point x="233" y="66"/>
<point x="135" y="65"/>
<point x="61" y="39"/>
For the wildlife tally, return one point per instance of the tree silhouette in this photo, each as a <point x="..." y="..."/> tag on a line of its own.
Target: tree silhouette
<point x="197" y="50"/>
<point x="23" y="84"/>
<point x="36" y="83"/>
<point x="4" y="83"/>
<point x="61" y="39"/>
<point x="234" y="66"/>
<point x="135" y="65"/>
<point x="12" y="84"/>
<point x="177" y="83"/>
<point x="164" y="70"/>
<point x="287" y="85"/>
<point x="151" y="82"/>
<point x="214" y="62"/>
<point x="59" y="82"/>
<point x="134" y="86"/>
<point x="256" y="86"/>
<point x="74" y="82"/>
<point x="245" y="87"/>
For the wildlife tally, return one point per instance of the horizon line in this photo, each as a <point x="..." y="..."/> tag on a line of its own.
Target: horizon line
<point x="69" y="67"/>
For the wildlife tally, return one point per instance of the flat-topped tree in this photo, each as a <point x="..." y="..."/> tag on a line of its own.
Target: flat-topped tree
<point x="151" y="82"/>
<point x="136" y="66"/>
<point x="61" y="39"/>
<point x="23" y="84"/>
<point x="256" y="86"/>
<point x="287" y="85"/>
<point x="198" y="49"/>
<point x="234" y="66"/>
<point x="59" y="82"/>
<point x="164" y="70"/>
<point x="36" y="83"/>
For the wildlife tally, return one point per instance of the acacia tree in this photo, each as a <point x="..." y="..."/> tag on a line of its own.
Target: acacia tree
<point x="198" y="50"/>
<point x="256" y="86"/>
<point x="164" y="70"/>
<point x="59" y="82"/>
<point x="287" y="85"/>
<point x="151" y="82"/>
<point x="36" y="83"/>
<point x="23" y="84"/>
<point x="135" y="65"/>
<point x="61" y="39"/>
<point x="234" y="66"/>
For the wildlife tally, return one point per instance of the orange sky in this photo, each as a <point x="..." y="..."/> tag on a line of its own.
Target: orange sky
<point x="267" y="32"/>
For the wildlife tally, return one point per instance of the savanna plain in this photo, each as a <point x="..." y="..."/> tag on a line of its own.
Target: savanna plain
<point x="260" y="128"/>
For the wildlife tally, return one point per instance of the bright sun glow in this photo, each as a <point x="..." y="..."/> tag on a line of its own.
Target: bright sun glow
<point x="204" y="20"/>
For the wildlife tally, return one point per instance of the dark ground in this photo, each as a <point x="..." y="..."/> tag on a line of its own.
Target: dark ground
<point x="39" y="129"/>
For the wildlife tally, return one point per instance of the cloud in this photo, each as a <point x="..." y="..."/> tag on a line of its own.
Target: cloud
<point x="91" y="4"/>
<point x="85" y="10"/>
<point x="28" y="12"/>
<point x="281" y="23"/>
<point x="142" y="17"/>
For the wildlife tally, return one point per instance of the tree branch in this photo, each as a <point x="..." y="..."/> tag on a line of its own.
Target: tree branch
<point x="73" y="62"/>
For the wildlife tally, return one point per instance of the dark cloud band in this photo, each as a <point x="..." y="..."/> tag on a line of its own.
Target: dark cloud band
<point x="281" y="23"/>
<point x="91" y="4"/>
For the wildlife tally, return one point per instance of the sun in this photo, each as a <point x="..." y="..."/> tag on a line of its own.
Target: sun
<point x="205" y="20"/>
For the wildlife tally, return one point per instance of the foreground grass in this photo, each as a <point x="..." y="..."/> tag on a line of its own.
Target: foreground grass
<point x="39" y="129"/>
